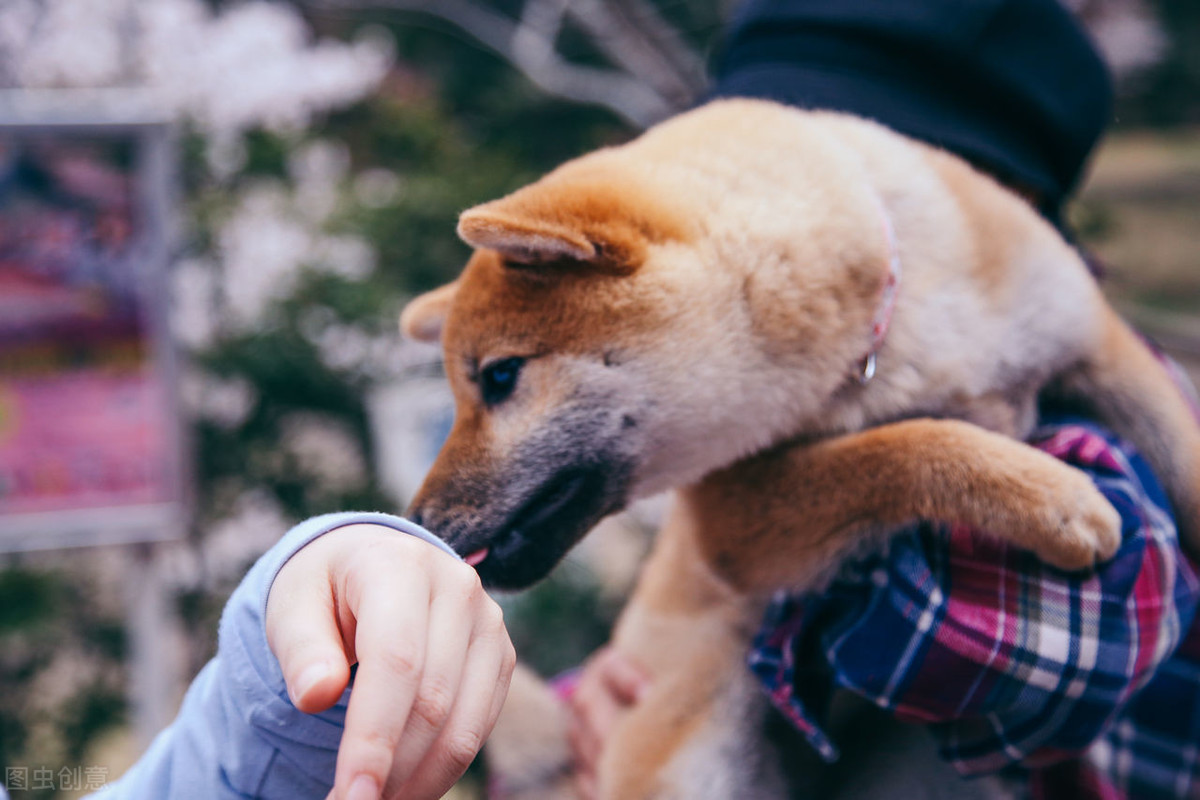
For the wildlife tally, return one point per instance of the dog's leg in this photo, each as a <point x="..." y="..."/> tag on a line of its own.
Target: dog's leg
<point x="697" y="733"/>
<point x="784" y="518"/>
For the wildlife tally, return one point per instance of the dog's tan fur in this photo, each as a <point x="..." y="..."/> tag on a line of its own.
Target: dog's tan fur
<point x="694" y="308"/>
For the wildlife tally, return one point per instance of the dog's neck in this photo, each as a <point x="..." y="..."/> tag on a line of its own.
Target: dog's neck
<point x="794" y="404"/>
<point x="887" y="302"/>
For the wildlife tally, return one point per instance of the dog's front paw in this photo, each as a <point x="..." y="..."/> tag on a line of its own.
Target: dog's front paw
<point x="1079" y="527"/>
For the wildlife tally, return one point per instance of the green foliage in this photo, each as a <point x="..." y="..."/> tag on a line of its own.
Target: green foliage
<point x="470" y="130"/>
<point x="266" y="154"/>
<point x="558" y="623"/>
<point x="29" y="601"/>
<point x="89" y="712"/>
<point x="44" y="615"/>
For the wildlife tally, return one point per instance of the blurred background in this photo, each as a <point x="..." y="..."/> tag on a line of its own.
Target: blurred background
<point x="211" y="214"/>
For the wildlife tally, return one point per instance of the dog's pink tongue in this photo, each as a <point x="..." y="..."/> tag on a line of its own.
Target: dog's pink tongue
<point x="476" y="557"/>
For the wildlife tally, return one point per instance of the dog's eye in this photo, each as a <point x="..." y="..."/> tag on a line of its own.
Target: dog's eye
<point x="499" y="378"/>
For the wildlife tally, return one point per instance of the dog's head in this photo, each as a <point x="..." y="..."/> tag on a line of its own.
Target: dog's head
<point x="600" y="348"/>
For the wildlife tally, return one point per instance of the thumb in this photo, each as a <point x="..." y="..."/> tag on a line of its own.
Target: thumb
<point x="303" y="633"/>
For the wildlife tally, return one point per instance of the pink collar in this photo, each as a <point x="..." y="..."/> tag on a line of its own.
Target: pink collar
<point x="887" y="302"/>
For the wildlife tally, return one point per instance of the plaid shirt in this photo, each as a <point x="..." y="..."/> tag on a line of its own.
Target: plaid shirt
<point x="1086" y="685"/>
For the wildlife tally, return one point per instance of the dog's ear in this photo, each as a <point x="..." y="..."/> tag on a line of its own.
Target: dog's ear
<point x="425" y="316"/>
<point x="525" y="239"/>
<point x="578" y="214"/>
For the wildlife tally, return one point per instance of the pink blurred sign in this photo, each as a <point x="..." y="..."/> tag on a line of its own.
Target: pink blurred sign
<point x="82" y="439"/>
<point x="89" y="439"/>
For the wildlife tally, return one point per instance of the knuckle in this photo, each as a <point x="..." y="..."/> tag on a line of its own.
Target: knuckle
<point x="470" y="584"/>
<point x="473" y="581"/>
<point x="372" y="752"/>
<point x="493" y="615"/>
<point x="462" y="747"/>
<point x="508" y="660"/>
<point x="460" y="582"/>
<point x="433" y="704"/>
<point x="400" y="660"/>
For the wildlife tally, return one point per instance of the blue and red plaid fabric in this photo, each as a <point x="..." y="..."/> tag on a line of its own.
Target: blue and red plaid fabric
<point x="1086" y="685"/>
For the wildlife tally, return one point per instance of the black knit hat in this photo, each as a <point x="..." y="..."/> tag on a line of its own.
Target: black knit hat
<point x="1014" y="86"/>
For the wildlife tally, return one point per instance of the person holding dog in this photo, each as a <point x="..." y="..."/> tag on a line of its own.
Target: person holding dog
<point x="1016" y="88"/>
<point x="373" y="600"/>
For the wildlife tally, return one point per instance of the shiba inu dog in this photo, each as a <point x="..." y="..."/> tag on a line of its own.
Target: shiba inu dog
<point x="815" y="330"/>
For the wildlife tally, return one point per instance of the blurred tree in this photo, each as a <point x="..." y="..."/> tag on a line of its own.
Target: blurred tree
<point x="321" y="179"/>
<point x="649" y="68"/>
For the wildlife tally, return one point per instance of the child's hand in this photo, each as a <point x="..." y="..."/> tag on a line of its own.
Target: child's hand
<point x="434" y="659"/>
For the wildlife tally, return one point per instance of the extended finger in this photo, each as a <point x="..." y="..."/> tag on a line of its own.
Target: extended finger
<point x="452" y="620"/>
<point x="392" y="624"/>
<point x="485" y="683"/>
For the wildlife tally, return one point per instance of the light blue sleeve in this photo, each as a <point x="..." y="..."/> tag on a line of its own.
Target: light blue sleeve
<point x="237" y="733"/>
